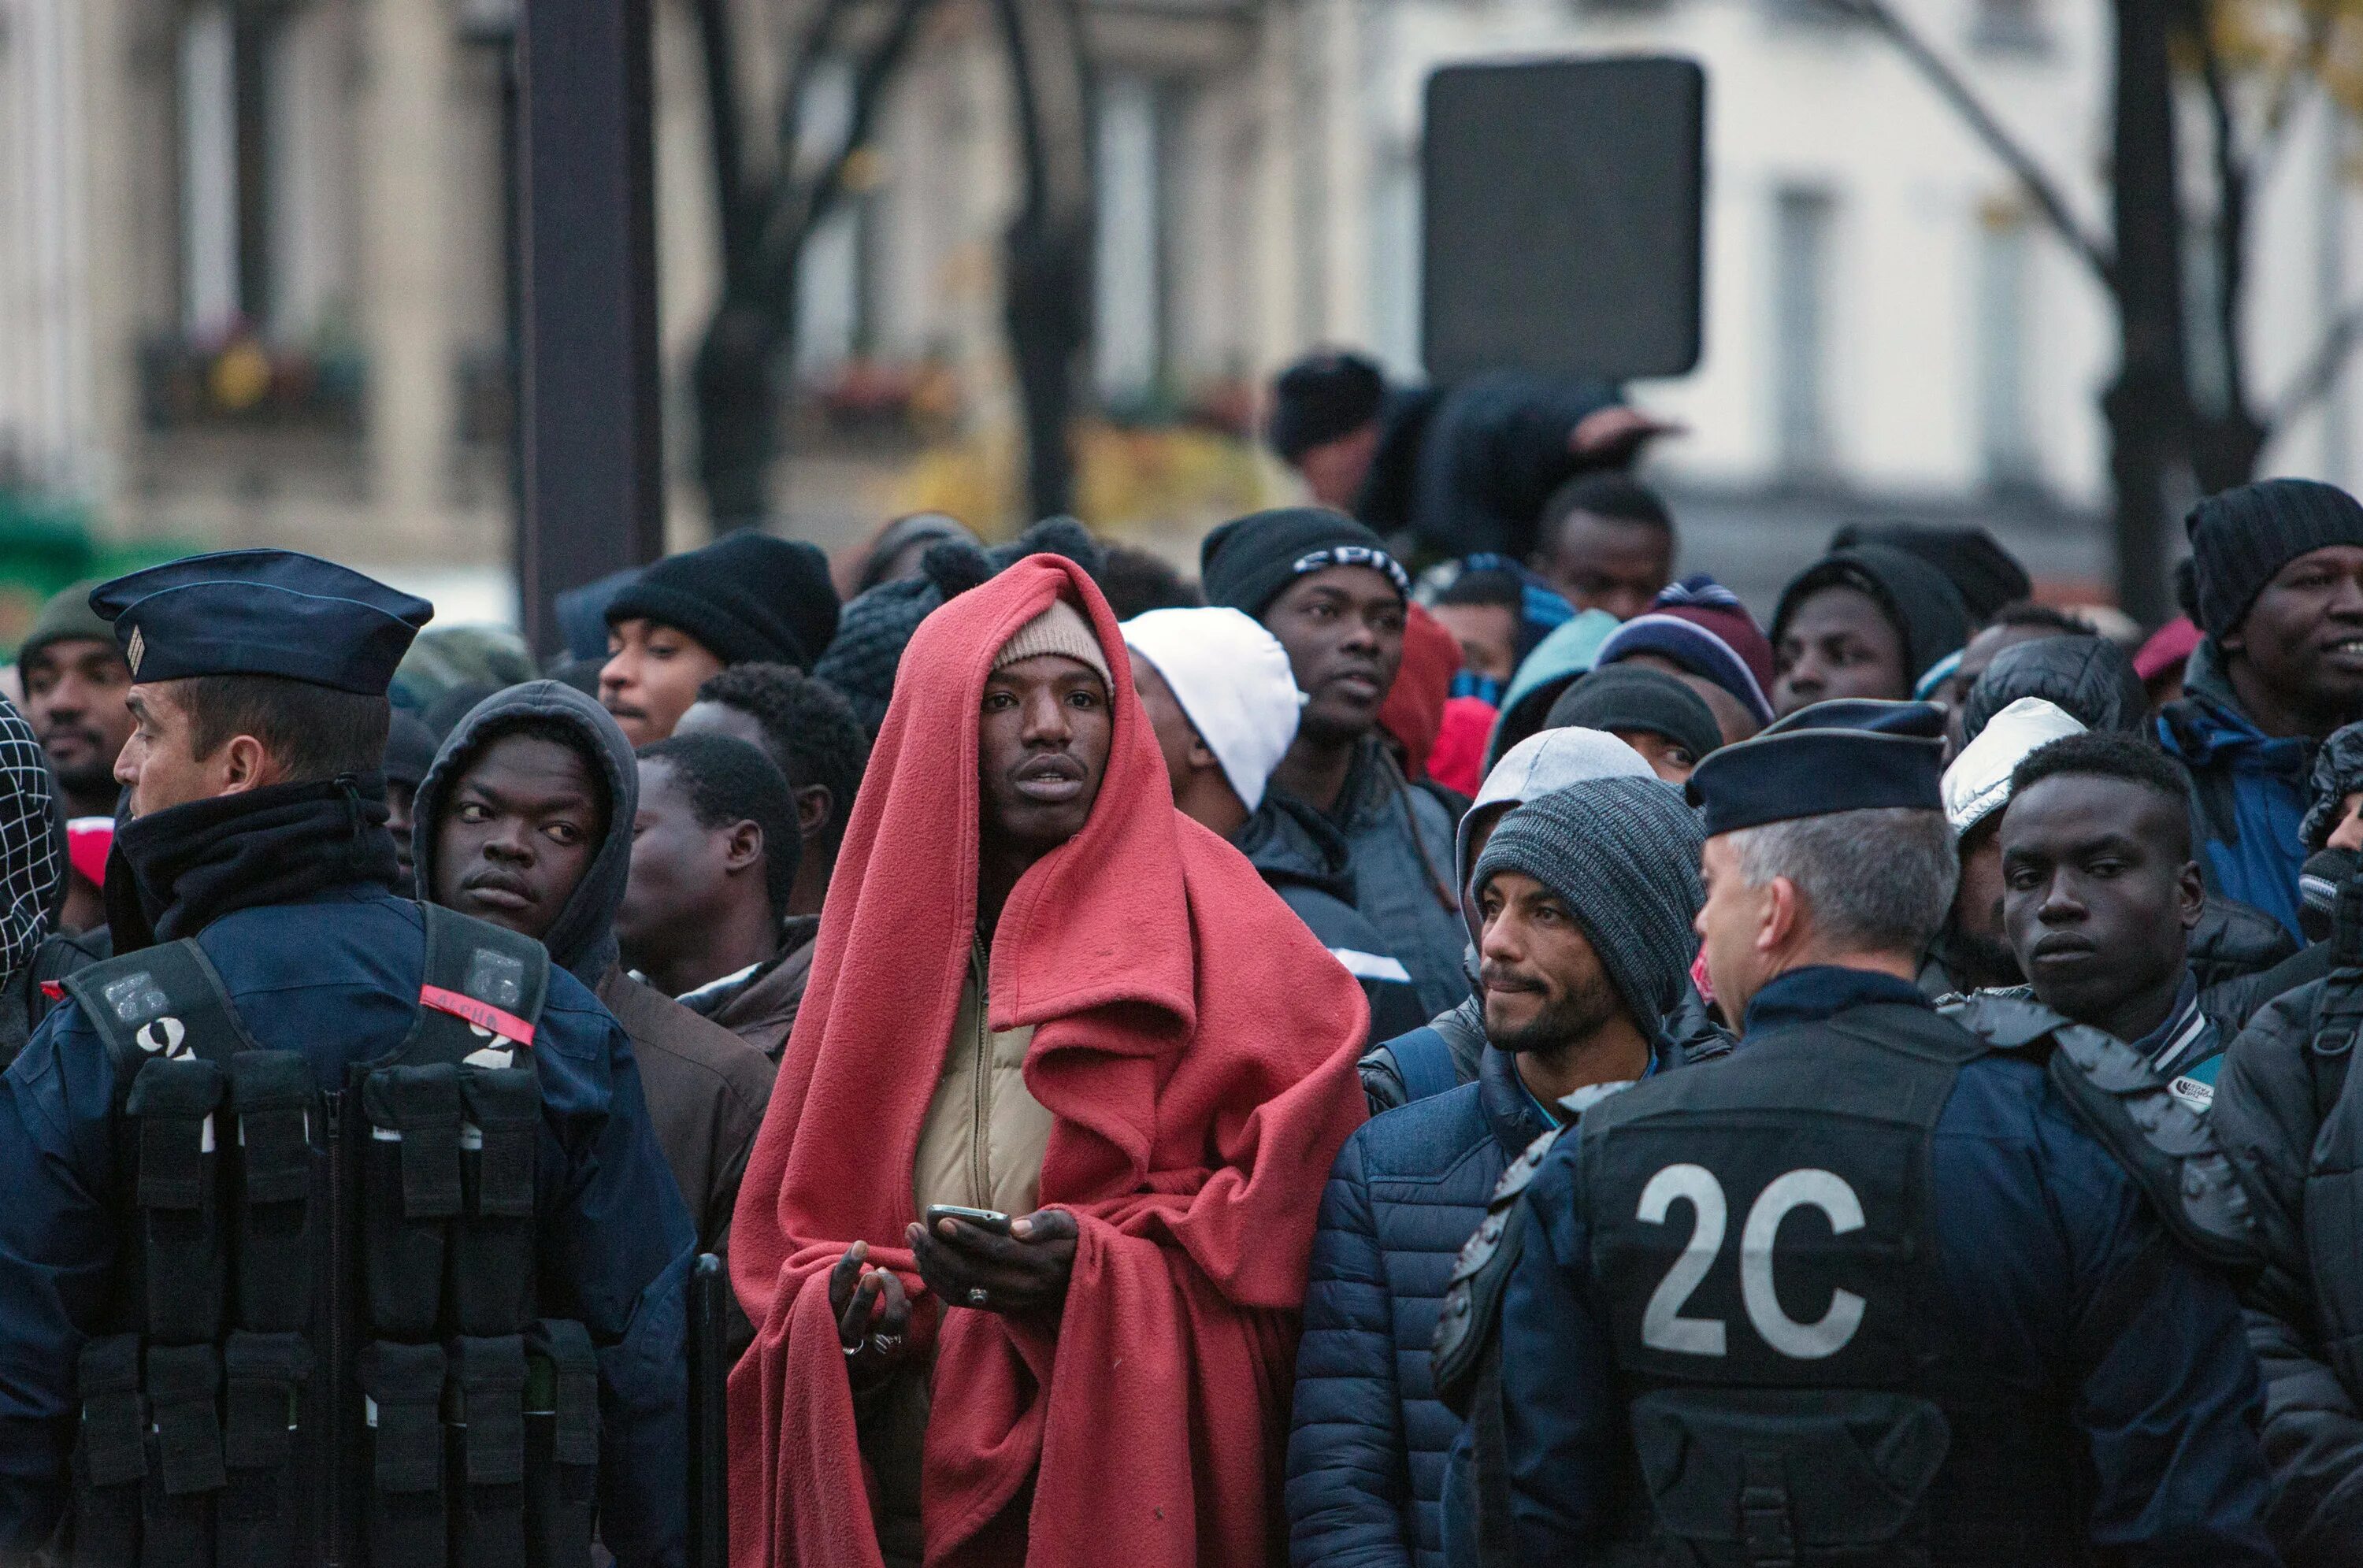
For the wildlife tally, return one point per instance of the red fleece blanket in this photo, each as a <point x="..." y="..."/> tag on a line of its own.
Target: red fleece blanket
<point x="1194" y="1045"/>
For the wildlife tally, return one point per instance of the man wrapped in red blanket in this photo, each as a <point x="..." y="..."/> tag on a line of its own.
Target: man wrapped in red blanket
<point x="1040" y="989"/>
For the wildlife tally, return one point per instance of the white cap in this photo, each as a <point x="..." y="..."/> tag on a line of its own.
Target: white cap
<point x="1978" y="783"/>
<point x="1233" y="681"/>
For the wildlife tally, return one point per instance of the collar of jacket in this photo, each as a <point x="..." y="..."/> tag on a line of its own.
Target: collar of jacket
<point x="174" y="872"/>
<point x="1512" y="1112"/>
<point x="1820" y="990"/>
<point x="1290" y="843"/>
<point x="2207" y="722"/>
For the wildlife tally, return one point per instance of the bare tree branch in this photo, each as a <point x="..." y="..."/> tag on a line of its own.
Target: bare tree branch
<point x="2231" y="234"/>
<point x="2289" y="87"/>
<point x="1956" y="91"/>
<point x="809" y="201"/>
<point x="2321" y="371"/>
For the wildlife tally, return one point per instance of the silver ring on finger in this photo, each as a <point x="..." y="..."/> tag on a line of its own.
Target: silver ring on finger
<point x="976" y="1297"/>
<point x="886" y="1344"/>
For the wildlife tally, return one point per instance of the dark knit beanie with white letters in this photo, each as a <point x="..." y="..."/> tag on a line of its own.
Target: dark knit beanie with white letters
<point x="1623" y="854"/>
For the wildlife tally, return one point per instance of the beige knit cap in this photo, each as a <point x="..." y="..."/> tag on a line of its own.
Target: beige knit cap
<point x="1061" y="630"/>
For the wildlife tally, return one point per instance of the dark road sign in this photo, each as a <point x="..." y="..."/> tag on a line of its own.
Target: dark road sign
<point x="1562" y="202"/>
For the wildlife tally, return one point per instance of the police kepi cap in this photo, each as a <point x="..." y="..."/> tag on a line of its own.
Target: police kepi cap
<point x="262" y="613"/>
<point x="1851" y="755"/>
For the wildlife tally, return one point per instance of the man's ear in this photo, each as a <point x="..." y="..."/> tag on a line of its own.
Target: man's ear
<point x="1201" y="756"/>
<point x="813" y="804"/>
<point x="744" y="847"/>
<point x="2191" y="892"/>
<point x="244" y="765"/>
<point x="1781" y="917"/>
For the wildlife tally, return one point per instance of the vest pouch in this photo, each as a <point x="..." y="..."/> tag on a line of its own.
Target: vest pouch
<point x="410" y="1192"/>
<point x="185" y="1457"/>
<point x="178" y="1194"/>
<point x="492" y="1255"/>
<point x="562" y="1446"/>
<point x="271" y="1095"/>
<point x="1801" y="1479"/>
<point x="487" y="1452"/>
<point x="403" y="1410"/>
<point x="257" y="1520"/>
<point x="110" y="1454"/>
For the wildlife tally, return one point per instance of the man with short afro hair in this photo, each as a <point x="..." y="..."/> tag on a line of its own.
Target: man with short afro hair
<point x="714" y="859"/>
<point x="812" y="736"/>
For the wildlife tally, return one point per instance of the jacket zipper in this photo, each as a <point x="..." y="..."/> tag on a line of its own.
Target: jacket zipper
<point x="979" y="1156"/>
<point x="333" y="1304"/>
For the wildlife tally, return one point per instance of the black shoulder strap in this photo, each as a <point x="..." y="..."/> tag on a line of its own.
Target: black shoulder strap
<point x="164" y="1001"/>
<point x="481" y="991"/>
<point x="2127" y="1105"/>
<point x="1472" y="1300"/>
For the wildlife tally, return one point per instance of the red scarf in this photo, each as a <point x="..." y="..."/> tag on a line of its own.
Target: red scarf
<point x="1194" y="1045"/>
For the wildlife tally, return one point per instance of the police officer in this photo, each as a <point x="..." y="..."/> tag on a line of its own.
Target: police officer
<point x="335" y="1230"/>
<point x="1868" y="1291"/>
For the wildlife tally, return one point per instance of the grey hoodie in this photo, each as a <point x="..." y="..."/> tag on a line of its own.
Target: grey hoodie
<point x="582" y="940"/>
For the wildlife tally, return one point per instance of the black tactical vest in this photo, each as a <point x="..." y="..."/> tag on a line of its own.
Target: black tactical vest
<point x="324" y="1346"/>
<point x="1764" y="1237"/>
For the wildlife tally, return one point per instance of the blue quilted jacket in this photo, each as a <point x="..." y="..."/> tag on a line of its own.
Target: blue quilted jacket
<point x="1366" y="1455"/>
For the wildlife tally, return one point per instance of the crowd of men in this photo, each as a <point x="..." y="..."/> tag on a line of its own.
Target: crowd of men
<point x="1439" y="1041"/>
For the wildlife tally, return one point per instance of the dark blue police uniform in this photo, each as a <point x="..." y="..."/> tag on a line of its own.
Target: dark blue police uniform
<point x="2060" y="1288"/>
<point x="1874" y="1288"/>
<point x="287" y="893"/>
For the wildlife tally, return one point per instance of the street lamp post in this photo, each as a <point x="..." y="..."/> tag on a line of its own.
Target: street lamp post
<point x="589" y="455"/>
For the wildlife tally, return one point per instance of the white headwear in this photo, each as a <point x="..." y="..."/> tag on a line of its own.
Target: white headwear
<point x="1532" y="768"/>
<point x="1978" y="783"/>
<point x="1233" y="681"/>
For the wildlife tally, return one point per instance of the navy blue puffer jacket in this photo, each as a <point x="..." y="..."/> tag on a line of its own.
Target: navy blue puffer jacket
<point x="1366" y="1455"/>
<point x="1366" y="1451"/>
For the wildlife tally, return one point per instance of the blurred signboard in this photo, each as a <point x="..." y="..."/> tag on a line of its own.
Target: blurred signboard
<point x="1562" y="201"/>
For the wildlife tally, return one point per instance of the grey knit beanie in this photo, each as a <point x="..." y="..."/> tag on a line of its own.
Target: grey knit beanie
<point x="2241" y="539"/>
<point x="1623" y="854"/>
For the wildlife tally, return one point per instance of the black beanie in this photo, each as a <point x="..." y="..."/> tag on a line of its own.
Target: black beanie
<point x="749" y="597"/>
<point x="1247" y="562"/>
<point x="1919" y="600"/>
<point x="2241" y="538"/>
<point x="1986" y="576"/>
<point x="1635" y="697"/>
<point x="1320" y="398"/>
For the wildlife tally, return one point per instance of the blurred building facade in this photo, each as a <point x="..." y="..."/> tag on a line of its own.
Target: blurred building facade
<point x="251" y="282"/>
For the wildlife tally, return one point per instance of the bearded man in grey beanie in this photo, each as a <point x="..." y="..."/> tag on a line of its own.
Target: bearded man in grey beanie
<point x="1585" y="898"/>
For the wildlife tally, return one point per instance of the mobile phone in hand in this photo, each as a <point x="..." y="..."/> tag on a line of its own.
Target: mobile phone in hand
<point x="992" y="1220"/>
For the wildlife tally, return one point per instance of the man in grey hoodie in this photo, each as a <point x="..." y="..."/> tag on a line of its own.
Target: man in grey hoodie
<point x="526" y="820"/>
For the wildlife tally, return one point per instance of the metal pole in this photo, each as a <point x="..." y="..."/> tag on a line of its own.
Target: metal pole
<point x="588" y="411"/>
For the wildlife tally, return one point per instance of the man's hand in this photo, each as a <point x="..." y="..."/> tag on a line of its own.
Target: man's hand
<point x="1025" y="1271"/>
<point x="1614" y="434"/>
<point x="873" y="1316"/>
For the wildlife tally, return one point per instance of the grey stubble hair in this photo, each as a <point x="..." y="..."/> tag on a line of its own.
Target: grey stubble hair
<point x="1873" y="881"/>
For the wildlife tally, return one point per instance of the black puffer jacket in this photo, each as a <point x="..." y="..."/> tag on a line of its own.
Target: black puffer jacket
<point x="2232" y="940"/>
<point x="2286" y="1111"/>
<point x="2089" y="678"/>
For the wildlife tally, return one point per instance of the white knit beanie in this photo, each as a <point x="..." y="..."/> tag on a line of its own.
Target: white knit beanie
<point x="1233" y="681"/>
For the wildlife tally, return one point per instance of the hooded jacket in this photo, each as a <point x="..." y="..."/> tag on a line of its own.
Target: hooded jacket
<point x="2285" y="1112"/>
<point x="707" y="1087"/>
<point x="1194" y="1046"/>
<point x="2249" y="791"/>
<point x="1557" y="660"/>
<point x="2089" y="678"/>
<point x="1302" y="857"/>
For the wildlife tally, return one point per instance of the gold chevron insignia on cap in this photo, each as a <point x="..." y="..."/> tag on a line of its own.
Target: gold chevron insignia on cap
<point x="131" y="655"/>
